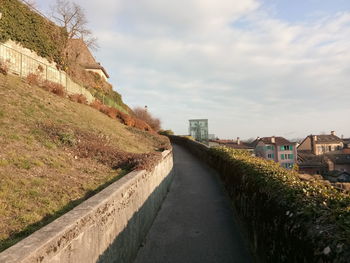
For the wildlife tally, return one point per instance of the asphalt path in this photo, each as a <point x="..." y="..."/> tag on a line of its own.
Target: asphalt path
<point x="195" y="222"/>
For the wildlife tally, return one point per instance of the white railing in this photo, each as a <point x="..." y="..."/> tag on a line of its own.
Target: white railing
<point x="22" y="65"/>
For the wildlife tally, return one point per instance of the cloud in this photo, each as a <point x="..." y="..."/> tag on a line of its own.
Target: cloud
<point x="230" y="61"/>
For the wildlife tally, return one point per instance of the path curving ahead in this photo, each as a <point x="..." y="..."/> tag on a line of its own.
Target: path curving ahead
<point x="195" y="222"/>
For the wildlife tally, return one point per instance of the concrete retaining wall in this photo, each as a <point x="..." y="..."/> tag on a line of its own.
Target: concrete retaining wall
<point x="108" y="227"/>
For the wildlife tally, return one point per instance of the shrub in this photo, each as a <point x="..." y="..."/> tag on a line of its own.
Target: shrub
<point x="166" y="132"/>
<point x="142" y="125"/>
<point x="79" y="98"/>
<point x="54" y="88"/>
<point x="288" y="220"/>
<point x="96" y="104"/>
<point x="285" y="214"/>
<point x="33" y="79"/>
<point x="126" y="119"/>
<point x="144" y="115"/>
<point x="4" y="68"/>
<point x="109" y="111"/>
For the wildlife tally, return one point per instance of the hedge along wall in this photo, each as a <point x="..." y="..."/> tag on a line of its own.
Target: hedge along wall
<point x="31" y="30"/>
<point x="288" y="220"/>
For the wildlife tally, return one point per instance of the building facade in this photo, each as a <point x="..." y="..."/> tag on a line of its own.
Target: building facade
<point x="277" y="149"/>
<point x="198" y="129"/>
<point x="321" y="144"/>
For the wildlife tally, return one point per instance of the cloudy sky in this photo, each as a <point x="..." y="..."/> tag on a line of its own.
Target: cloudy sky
<point x="252" y="67"/>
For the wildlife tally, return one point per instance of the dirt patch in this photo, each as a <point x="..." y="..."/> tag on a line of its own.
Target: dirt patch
<point x="84" y="144"/>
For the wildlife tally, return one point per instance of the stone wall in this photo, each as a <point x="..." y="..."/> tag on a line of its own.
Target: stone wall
<point x="109" y="227"/>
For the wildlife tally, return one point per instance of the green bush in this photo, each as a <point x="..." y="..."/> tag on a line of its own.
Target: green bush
<point x="288" y="220"/>
<point x="166" y="132"/>
<point x="33" y="31"/>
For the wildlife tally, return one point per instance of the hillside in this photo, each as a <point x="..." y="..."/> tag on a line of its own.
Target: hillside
<point x="31" y="30"/>
<point x="55" y="153"/>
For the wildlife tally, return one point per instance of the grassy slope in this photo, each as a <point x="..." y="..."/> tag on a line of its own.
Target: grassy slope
<point x="40" y="177"/>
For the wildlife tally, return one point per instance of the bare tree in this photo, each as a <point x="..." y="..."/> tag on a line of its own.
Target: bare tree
<point x="71" y="16"/>
<point x="143" y="114"/>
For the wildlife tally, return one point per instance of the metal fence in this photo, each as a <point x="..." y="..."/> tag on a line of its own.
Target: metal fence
<point x="22" y="65"/>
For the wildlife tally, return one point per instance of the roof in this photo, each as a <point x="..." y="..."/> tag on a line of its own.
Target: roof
<point x="233" y="144"/>
<point x="308" y="159"/>
<point x="241" y="145"/>
<point x="97" y="66"/>
<point x="346" y="140"/>
<point x="327" y="139"/>
<point x="268" y="140"/>
<point x="340" y="157"/>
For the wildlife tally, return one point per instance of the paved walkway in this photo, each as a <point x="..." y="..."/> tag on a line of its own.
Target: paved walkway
<point x="195" y="223"/>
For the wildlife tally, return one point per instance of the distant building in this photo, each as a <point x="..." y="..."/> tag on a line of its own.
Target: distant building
<point x="310" y="163"/>
<point x="277" y="149"/>
<point x="346" y="142"/>
<point x="327" y="155"/>
<point x="338" y="160"/>
<point x="198" y="129"/>
<point x="211" y="137"/>
<point x="78" y="52"/>
<point x="321" y="144"/>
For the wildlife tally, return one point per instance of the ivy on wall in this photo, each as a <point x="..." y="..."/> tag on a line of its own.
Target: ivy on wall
<point x="31" y="30"/>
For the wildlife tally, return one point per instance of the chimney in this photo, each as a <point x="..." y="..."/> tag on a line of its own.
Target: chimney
<point x="332" y="132"/>
<point x="313" y="144"/>
<point x="238" y="140"/>
<point x="273" y="140"/>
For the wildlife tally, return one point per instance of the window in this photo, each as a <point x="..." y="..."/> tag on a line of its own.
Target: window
<point x="286" y="148"/>
<point x="271" y="156"/>
<point x="330" y="148"/>
<point x="282" y="156"/>
<point x="291" y="156"/>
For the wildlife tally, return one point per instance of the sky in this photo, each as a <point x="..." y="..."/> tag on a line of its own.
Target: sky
<point x="252" y="68"/>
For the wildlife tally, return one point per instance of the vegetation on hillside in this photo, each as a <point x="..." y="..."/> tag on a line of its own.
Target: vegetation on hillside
<point x="146" y="116"/>
<point x="33" y="31"/>
<point x="21" y="24"/>
<point x="56" y="153"/>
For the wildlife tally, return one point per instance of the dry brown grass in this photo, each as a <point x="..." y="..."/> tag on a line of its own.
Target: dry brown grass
<point x="54" y="153"/>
